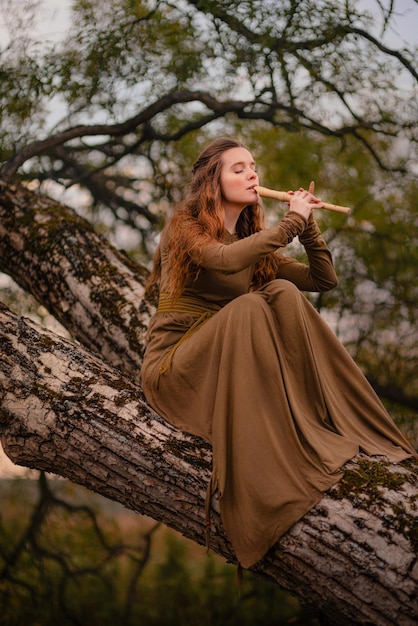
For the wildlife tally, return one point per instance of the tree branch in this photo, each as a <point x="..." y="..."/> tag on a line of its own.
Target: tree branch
<point x="393" y="393"/>
<point x="10" y="168"/>
<point x="389" y="51"/>
<point x="95" y="291"/>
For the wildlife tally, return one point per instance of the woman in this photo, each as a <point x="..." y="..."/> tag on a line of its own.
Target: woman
<point x="236" y="353"/>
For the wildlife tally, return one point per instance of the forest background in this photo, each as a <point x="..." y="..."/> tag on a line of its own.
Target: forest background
<point x="346" y="118"/>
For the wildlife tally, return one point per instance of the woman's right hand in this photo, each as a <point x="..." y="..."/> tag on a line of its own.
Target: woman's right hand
<point x="303" y="201"/>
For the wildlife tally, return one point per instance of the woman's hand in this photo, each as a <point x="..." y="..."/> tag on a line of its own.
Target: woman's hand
<point x="303" y="201"/>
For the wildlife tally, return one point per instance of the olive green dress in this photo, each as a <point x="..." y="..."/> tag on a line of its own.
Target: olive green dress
<point x="260" y="375"/>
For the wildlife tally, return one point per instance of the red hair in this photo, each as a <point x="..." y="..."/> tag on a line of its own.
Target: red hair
<point x="199" y="218"/>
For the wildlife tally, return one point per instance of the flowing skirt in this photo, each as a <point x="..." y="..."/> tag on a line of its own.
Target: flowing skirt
<point x="282" y="403"/>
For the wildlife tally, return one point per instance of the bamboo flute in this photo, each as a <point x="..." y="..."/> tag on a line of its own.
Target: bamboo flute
<point x="283" y="196"/>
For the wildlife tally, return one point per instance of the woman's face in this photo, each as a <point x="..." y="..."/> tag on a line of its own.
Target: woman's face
<point x="238" y="178"/>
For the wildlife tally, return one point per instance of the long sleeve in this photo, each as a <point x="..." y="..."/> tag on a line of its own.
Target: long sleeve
<point x="319" y="274"/>
<point x="236" y="256"/>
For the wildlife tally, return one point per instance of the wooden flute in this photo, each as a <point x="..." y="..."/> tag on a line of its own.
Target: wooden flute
<point x="283" y="196"/>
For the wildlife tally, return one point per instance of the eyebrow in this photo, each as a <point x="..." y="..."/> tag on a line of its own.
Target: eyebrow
<point x="242" y="163"/>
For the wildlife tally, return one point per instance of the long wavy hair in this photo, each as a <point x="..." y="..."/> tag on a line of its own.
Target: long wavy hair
<point x="199" y="218"/>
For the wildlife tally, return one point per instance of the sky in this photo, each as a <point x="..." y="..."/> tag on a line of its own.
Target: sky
<point x="54" y="20"/>
<point x="406" y="22"/>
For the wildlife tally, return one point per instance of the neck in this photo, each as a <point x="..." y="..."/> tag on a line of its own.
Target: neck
<point x="232" y="214"/>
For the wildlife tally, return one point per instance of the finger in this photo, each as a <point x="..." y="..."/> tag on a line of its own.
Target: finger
<point x="312" y="187"/>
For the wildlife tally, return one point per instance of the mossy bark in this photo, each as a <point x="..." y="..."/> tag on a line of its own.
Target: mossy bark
<point x="79" y="412"/>
<point x="95" y="291"/>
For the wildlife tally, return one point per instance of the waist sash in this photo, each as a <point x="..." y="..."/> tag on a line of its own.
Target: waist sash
<point x="187" y="305"/>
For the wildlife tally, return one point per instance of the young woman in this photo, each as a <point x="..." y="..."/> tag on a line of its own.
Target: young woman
<point x="237" y="355"/>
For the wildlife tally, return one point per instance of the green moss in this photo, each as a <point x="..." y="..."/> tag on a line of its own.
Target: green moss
<point x="403" y="523"/>
<point x="365" y="486"/>
<point x="367" y="479"/>
<point x="52" y="231"/>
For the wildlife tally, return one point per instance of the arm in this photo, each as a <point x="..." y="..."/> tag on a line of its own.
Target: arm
<point x="319" y="274"/>
<point x="234" y="257"/>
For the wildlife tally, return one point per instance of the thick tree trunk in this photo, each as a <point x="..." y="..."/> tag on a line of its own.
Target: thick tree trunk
<point x="62" y="409"/>
<point x="95" y="291"/>
<point x="353" y="557"/>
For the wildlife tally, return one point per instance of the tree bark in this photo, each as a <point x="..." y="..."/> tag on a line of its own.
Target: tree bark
<point x="79" y="412"/>
<point x="94" y="290"/>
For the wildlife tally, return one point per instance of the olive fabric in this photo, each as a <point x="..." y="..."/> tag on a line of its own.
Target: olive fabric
<point x="261" y="376"/>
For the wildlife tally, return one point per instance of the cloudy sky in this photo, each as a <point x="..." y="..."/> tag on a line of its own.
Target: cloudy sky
<point x="54" y="19"/>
